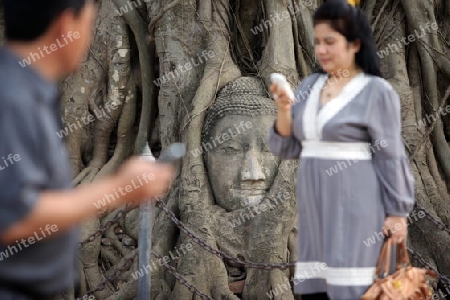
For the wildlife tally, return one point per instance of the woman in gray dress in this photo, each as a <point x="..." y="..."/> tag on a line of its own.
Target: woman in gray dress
<point x="354" y="181"/>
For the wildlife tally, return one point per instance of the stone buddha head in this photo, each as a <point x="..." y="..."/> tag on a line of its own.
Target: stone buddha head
<point x="240" y="166"/>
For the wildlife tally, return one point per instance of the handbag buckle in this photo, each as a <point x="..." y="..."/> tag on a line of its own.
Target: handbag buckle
<point x="404" y="265"/>
<point x="397" y="284"/>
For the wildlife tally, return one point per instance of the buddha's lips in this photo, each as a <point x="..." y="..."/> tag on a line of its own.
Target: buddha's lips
<point x="250" y="192"/>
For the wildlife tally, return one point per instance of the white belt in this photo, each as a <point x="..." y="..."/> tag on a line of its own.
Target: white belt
<point x="336" y="150"/>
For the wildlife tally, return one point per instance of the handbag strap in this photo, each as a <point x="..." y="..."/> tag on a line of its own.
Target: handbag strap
<point x="385" y="256"/>
<point x="402" y="256"/>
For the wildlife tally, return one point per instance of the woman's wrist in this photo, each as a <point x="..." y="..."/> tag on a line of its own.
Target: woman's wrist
<point x="283" y="126"/>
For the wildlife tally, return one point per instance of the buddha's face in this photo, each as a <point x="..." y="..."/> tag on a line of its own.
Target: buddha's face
<point x="240" y="166"/>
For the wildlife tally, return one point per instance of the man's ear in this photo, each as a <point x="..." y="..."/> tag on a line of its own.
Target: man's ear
<point x="64" y="23"/>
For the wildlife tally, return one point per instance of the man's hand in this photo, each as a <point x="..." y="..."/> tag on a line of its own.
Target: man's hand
<point x="151" y="179"/>
<point x="396" y="227"/>
<point x="136" y="180"/>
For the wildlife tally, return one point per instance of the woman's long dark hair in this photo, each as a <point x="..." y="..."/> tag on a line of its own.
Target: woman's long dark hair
<point x="353" y="24"/>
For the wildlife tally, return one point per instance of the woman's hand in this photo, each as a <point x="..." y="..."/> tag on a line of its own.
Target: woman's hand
<point x="397" y="228"/>
<point x="281" y="99"/>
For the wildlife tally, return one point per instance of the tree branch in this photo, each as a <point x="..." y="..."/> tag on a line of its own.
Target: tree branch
<point x="147" y="62"/>
<point x="152" y="25"/>
<point x="432" y="125"/>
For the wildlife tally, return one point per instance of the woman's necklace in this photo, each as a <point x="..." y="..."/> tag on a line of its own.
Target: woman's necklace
<point x="329" y="83"/>
<point x="327" y="92"/>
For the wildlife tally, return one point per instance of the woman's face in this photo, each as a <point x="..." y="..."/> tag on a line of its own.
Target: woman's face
<point x="240" y="166"/>
<point x="333" y="50"/>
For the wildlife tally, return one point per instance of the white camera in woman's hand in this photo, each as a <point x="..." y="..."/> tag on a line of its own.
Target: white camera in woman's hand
<point x="282" y="84"/>
<point x="282" y="93"/>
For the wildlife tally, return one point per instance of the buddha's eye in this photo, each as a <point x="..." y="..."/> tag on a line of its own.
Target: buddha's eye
<point x="231" y="147"/>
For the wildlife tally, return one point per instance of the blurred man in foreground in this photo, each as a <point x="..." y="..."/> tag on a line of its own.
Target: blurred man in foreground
<point x="45" y="41"/>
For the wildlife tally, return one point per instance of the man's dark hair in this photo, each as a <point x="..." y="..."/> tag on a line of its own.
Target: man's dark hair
<point x="353" y="24"/>
<point x="27" y="20"/>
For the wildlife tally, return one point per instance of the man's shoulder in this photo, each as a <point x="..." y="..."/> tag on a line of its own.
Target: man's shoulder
<point x="12" y="75"/>
<point x="13" y="87"/>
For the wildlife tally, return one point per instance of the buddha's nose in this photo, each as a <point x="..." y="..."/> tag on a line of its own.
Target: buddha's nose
<point x="252" y="169"/>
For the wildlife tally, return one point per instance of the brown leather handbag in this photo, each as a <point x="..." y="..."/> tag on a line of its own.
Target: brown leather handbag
<point x="407" y="283"/>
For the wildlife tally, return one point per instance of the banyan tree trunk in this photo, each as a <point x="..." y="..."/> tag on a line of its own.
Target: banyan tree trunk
<point x="153" y="70"/>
